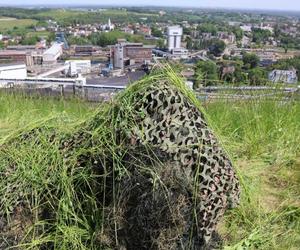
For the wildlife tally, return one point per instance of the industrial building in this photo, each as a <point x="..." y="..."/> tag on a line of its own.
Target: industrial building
<point x="174" y="37"/>
<point x="174" y="43"/>
<point x="78" y="67"/>
<point x="61" y="39"/>
<point x="129" y="54"/>
<point x="84" y="50"/>
<point x="28" y="54"/>
<point x="13" y="71"/>
<point x="21" y="47"/>
<point x="51" y="55"/>
<point x="8" y="56"/>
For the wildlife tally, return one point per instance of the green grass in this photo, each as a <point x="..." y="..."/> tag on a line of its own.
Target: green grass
<point x="263" y="139"/>
<point x="6" y="25"/>
<point x="261" y="136"/>
<point x="38" y="33"/>
<point x="18" y="111"/>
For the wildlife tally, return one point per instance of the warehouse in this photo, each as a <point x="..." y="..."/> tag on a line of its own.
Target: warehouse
<point x="51" y="55"/>
<point x="13" y="71"/>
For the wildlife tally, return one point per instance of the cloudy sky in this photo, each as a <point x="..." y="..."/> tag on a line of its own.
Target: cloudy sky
<point x="249" y="4"/>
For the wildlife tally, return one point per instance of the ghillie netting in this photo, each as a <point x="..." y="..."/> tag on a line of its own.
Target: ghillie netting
<point x="145" y="172"/>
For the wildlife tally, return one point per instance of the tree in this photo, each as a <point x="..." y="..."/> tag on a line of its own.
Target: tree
<point x="206" y="73"/>
<point x="240" y="77"/>
<point x="156" y="32"/>
<point x="260" y="35"/>
<point x="186" y="31"/>
<point x="109" y="38"/>
<point x="51" y="37"/>
<point x="31" y="40"/>
<point x="257" y="76"/>
<point x="189" y="42"/>
<point x="199" y="77"/>
<point x="239" y="33"/>
<point x="208" y="28"/>
<point x="78" y="40"/>
<point x="250" y="60"/>
<point x="160" y="43"/>
<point x="217" y="47"/>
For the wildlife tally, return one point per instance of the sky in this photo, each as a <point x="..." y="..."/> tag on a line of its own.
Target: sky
<point x="248" y="4"/>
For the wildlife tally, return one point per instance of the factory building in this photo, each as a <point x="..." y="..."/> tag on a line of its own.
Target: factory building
<point x="174" y="37"/>
<point x="8" y="56"/>
<point x="174" y="43"/>
<point x="21" y="47"/>
<point x="128" y="54"/>
<point x="51" y="55"/>
<point x="84" y="50"/>
<point x="60" y="38"/>
<point x="78" y="67"/>
<point x="13" y="71"/>
<point x="28" y="54"/>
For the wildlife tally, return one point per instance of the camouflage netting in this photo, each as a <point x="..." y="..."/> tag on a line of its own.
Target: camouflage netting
<point x="157" y="174"/>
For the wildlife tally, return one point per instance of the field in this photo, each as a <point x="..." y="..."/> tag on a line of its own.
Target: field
<point x="262" y="138"/>
<point x="70" y="16"/>
<point x="10" y="24"/>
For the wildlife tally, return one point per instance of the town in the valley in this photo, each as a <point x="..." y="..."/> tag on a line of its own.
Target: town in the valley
<point x="111" y="47"/>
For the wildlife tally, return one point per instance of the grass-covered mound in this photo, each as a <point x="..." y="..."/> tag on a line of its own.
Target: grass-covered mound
<point x="262" y="137"/>
<point x="145" y="172"/>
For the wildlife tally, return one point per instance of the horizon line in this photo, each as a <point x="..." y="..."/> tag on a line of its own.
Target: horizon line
<point x="146" y="5"/>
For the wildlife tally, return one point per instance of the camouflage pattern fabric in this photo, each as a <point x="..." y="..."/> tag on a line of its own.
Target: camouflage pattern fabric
<point x="169" y="123"/>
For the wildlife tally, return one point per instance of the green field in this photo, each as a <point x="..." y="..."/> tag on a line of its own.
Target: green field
<point x="261" y="136"/>
<point x="69" y="16"/>
<point x="6" y="25"/>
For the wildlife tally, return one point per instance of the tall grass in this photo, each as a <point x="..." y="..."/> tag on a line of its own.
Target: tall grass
<point x="261" y="136"/>
<point x="18" y="111"/>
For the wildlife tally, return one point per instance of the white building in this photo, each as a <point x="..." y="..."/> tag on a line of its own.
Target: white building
<point x="246" y="28"/>
<point x="109" y="26"/>
<point x="174" y="37"/>
<point x="11" y="71"/>
<point x="78" y="67"/>
<point x="53" y="53"/>
<point x="178" y="54"/>
<point x="174" y="43"/>
<point x="284" y="76"/>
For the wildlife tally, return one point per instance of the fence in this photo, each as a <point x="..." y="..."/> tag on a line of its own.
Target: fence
<point x="96" y="92"/>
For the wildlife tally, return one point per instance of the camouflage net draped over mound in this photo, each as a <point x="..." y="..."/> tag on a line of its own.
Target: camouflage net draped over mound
<point x="144" y="173"/>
